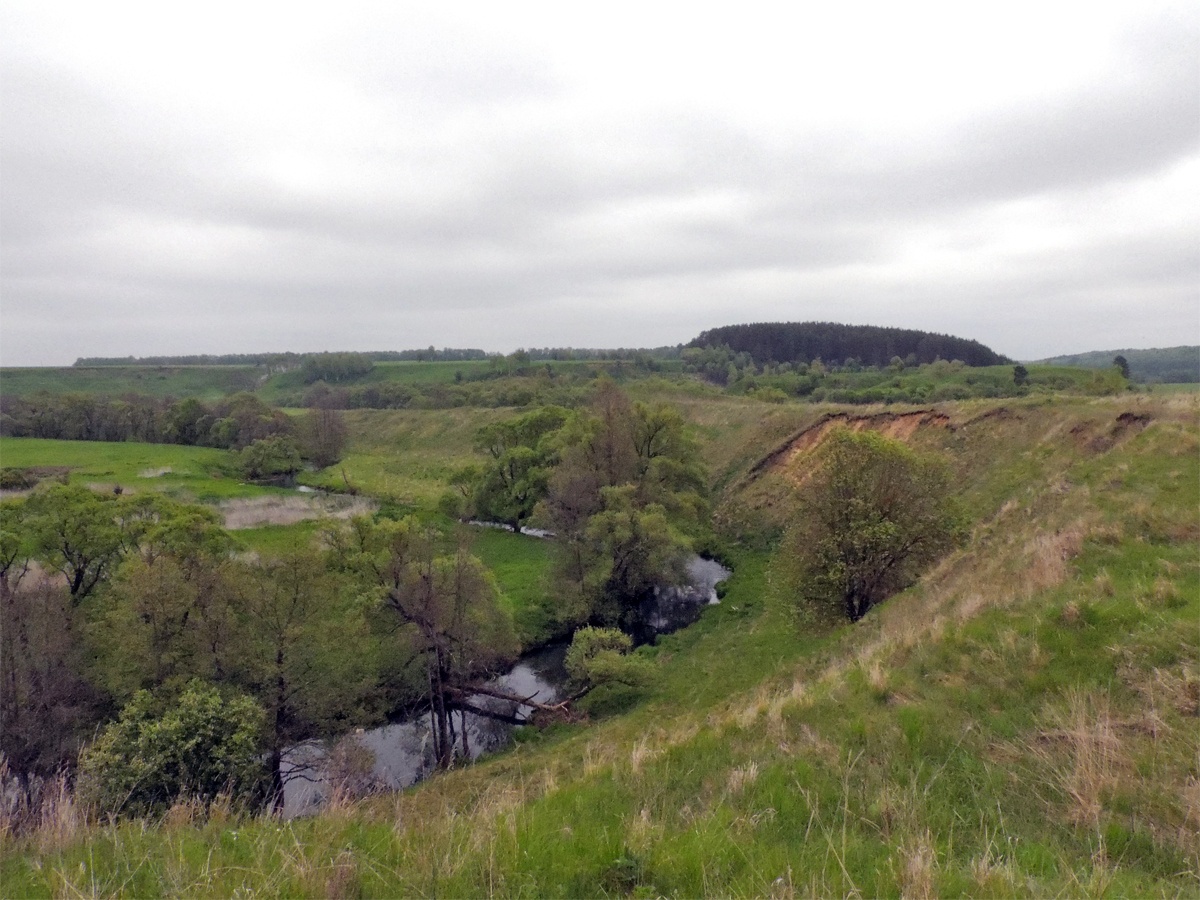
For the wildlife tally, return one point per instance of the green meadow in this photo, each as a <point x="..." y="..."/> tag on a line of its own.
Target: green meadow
<point x="198" y="474"/>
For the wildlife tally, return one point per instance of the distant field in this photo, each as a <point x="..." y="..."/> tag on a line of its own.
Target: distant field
<point x="941" y="382"/>
<point x="288" y="386"/>
<point x="1161" y="364"/>
<point x="204" y="382"/>
<point x="197" y="474"/>
<point x="1182" y="388"/>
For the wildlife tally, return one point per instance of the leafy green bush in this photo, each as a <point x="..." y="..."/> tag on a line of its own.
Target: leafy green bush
<point x="197" y="745"/>
<point x="598" y="657"/>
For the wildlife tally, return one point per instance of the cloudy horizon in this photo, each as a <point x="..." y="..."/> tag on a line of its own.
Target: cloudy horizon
<point x="255" y="178"/>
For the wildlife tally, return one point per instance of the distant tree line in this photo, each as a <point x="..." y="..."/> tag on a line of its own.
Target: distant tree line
<point x="292" y="360"/>
<point x="569" y="353"/>
<point x="863" y="345"/>
<point x="286" y="359"/>
<point x="513" y="380"/>
<point x="336" y="367"/>
<point x="232" y="423"/>
<point x="273" y="360"/>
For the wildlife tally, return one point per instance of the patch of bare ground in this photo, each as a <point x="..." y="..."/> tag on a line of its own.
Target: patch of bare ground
<point x="253" y="512"/>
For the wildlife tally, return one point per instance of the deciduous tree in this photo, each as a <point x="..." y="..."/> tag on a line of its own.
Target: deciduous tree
<point x="873" y="516"/>
<point x="446" y="605"/>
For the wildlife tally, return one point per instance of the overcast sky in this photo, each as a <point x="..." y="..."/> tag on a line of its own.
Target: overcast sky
<point x="213" y="178"/>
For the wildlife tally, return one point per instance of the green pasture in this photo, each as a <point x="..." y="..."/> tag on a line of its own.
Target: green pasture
<point x="197" y="474"/>
<point x="521" y="566"/>
<point x="406" y="456"/>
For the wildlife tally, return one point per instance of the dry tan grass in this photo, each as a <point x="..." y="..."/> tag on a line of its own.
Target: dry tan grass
<point x="1191" y="807"/>
<point x="742" y="777"/>
<point x="994" y="875"/>
<point x="918" y="870"/>
<point x="251" y="512"/>
<point x="1164" y="591"/>
<point x="185" y="812"/>
<point x="876" y="675"/>
<point x="341" y="878"/>
<point x="641" y="831"/>
<point x="1083" y="753"/>
<point x="643" y="751"/>
<point x="61" y="819"/>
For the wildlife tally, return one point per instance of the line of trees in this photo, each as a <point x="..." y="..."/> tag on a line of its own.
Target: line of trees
<point x="230" y="423"/>
<point x="270" y="443"/>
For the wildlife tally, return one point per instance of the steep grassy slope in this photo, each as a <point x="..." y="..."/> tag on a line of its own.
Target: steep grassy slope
<point x="1022" y="722"/>
<point x="407" y="456"/>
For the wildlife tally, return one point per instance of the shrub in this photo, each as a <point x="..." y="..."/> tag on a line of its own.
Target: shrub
<point x="196" y="746"/>
<point x="597" y="657"/>
<point x="871" y="518"/>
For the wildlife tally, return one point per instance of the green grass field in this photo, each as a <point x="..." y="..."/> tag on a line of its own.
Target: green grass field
<point x="521" y="565"/>
<point x="407" y="456"/>
<point x="199" y="474"/>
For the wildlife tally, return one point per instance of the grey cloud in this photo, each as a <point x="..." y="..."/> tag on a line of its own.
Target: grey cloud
<point x="479" y="186"/>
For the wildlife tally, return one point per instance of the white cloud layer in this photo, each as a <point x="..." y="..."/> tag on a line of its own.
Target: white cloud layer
<point x="242" y="177"/>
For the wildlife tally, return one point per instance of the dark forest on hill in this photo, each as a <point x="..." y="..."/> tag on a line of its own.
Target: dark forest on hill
<point x="868" y="345"/>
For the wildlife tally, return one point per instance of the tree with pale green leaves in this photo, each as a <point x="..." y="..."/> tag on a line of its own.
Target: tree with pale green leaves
<point x="74" y="532"/>
<point x="871" y="519"/>
<point x="600" y="657"/>
<point x="522" y="454"/>
<point x="623" y="501"/>
<point x="194" y="745"/>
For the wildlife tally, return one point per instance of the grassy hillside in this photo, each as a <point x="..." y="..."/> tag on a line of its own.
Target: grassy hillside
<point x="203" y="382"/>
<point x="1021" y="723"/>
<point x="1167" y="364"/>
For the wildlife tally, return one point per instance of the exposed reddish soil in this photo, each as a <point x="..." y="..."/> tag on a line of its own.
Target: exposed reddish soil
<point x="898" y="426"/>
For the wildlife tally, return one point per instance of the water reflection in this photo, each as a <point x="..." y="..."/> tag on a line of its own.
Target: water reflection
<point x="401" y="754"/>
